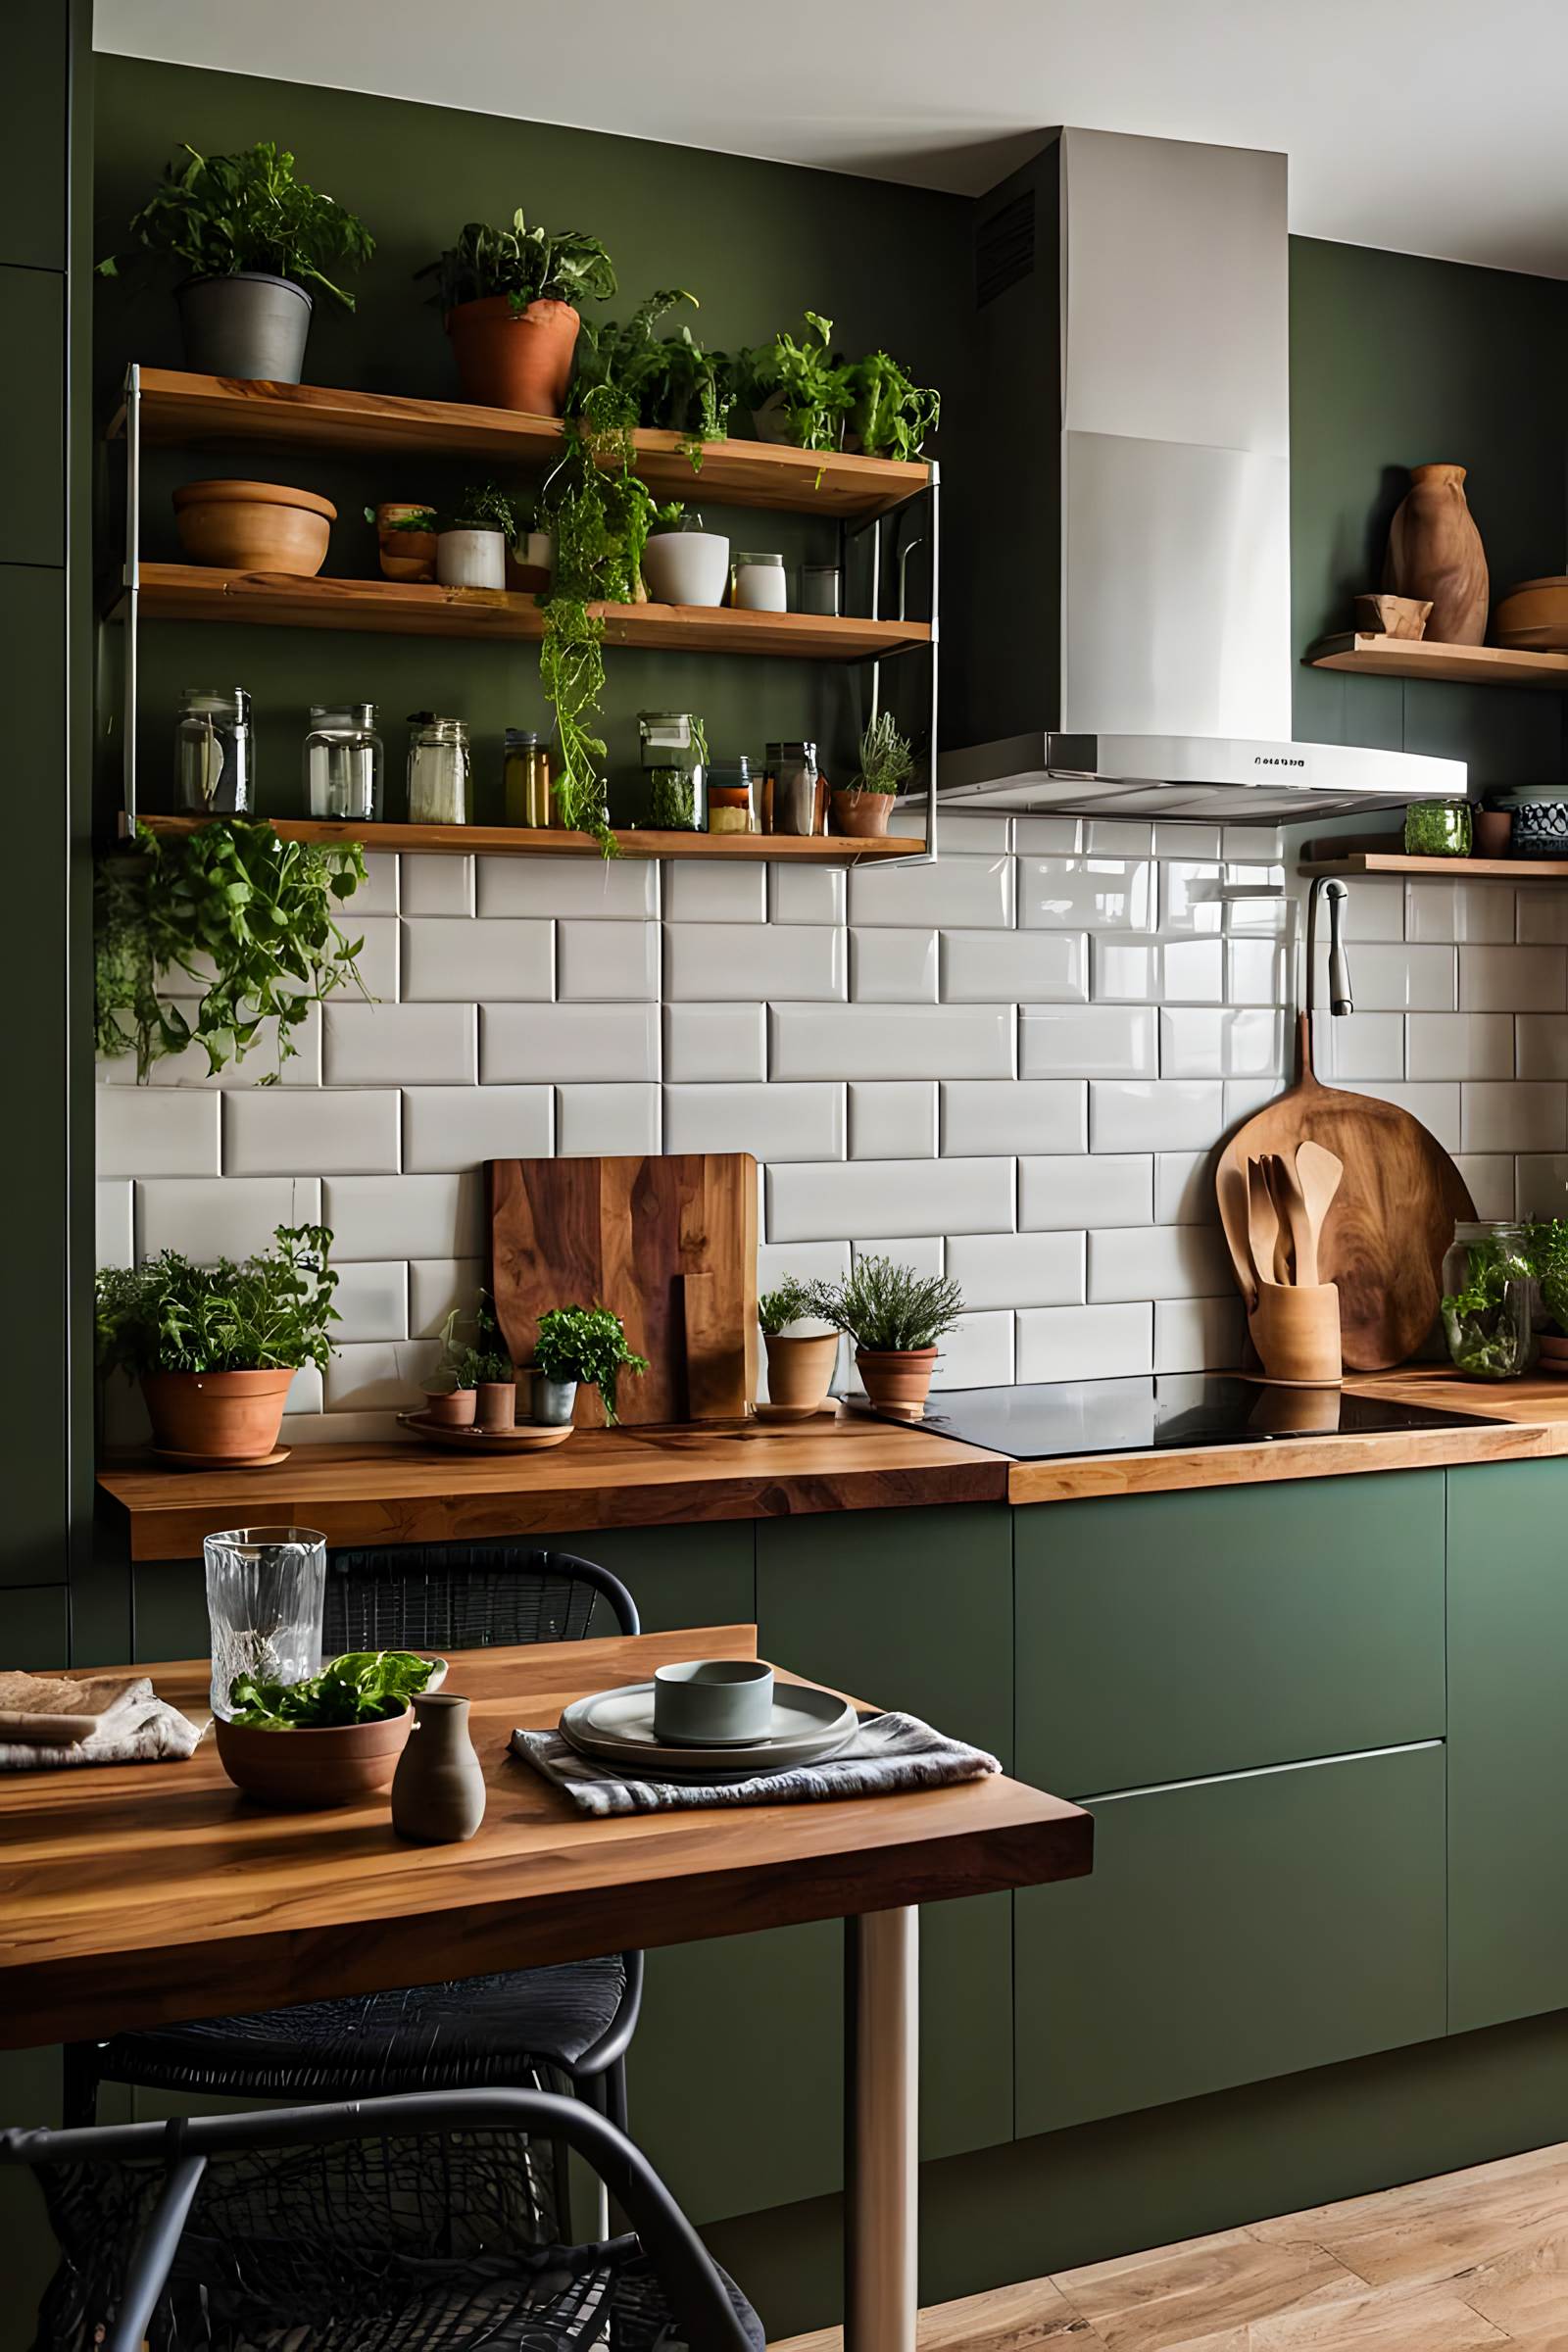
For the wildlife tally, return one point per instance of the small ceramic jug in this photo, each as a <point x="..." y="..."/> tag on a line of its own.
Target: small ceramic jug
<point x="438" y="1791"/>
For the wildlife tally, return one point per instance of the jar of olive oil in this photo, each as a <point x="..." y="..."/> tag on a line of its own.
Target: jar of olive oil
<point x="526" y="769"/>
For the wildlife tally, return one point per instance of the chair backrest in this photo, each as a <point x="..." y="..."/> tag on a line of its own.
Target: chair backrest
<point x="465" y="1597"/>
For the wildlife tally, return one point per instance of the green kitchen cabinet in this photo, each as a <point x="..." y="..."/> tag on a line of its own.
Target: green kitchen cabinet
<point x="1161" y="1636"/>
<point x="1507" y="1741"/>
<point x="1233" y="1929"/>
<point x="678" y="1576"/>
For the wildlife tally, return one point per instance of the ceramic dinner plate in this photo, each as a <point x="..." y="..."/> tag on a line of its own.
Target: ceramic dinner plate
<point x="617" y="1727"/>
<point x="526" y="1437"/>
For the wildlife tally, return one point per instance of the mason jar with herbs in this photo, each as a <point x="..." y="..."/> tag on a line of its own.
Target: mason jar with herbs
<point x="1488" y="1296"/>
<point x="438" y="769"/>
<point x="675" y="759"/>
<point x="1438" y="829"/>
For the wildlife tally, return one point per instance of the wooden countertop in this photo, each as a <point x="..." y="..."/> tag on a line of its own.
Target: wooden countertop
<point x="648" y="1477"/>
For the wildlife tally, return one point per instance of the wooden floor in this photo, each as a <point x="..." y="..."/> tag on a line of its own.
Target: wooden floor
<point x="1467" y="2260"/>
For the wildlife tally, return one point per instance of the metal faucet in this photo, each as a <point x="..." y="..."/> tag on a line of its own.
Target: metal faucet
<point x="1340" y="998"/>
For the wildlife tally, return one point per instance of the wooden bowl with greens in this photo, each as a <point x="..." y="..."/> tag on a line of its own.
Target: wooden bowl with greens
<point x="333" y="1740"/>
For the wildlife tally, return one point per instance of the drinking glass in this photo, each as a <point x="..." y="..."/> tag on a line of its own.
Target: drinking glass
<point x="266" y="1590"/>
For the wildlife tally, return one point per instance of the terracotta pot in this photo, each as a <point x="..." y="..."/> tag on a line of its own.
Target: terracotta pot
<point x="438" y="1791"/>
<point x="405" y="555"/>
<point x="1493" y="831"/>
<point x="512" y="360"/>
<point x="1553" y="1352"/>
<point x="254" y="527"/>
<point x="311" y="1772"/>
<point x="799" y="1369"/>
<point x="861" y="812"/>
<point x="498" y="1404"/>
<point x="896" y="1375"/>
<point x="235" y="1416"/>
<point x="455" y="1411"/>
<point x="1434" y="553"/>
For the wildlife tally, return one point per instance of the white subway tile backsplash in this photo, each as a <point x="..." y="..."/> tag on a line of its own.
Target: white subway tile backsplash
<point x="608" y="1121"/>
<point x="1159" y="1261"/>
<point x="1198" y="1041"/>
<point x="772" y="1122"/>
<point x="400" y="1044"/>
<point x="1254" y="972"/>
<point x="1018" y="1269"/>
<point x="717" y="961"/>
<point x="1083" y="1189"/>
<point x="450" y="1128"/>
<point x="1490" y="1178"/>
<point x="976" y="1354"/>
<point x="437" y="1285"/>
<point x="1116" y="837"/>
<point x="1477" y="912"/>
<point x="436" y="886"/>
<point x="216" y="1217"/>
<point x="989" y="1115"/>
<point x="1197" y="1335"/>
<point x="924" y="1254"/>
<point x="806" y="894"/>
<point x="1434" y="1102"/>
<point x="1513" y="979"/>
<point x="1541" y="1041"/>
<point x="1259" y="844"/>
<point x="1143" y="971"/>
<point x="1172" y="838"/>
<point x="613" y="963"/>
<point x="715" y="1042"/>
<point x="1540" y="914"/>
<point x="1246" y="1097"/>
<point x="380" y="1376"/>
<point x="968" y="892"/>
<point x="1085" y="1343"/>
<point x="1362" y="1044"/>
<point x="890" y="1041"/>
<point x="509" y="960"/>
<point x="1541" y="1186"/>
<point x="373" y="1304"/>
<point x="113" y="1228"/>
<point x="1086" y="1041"/>
<point x="190" y="1070"/>
<point x="897" y="1121"/>
<point x="904" y="1197"/>
<point x="537" y="1042"/>
<point x="1528" y="1117"/>
<point x="961" y="833"/>
<point x="1189" y="897"/>
<point x="695" y="893"/>
<point x="807" y="1261"/>
<point x="896" y="968"/>
<point x="1461" y="1044"/>
<point x="1395" y="979"/>
<point x="593" y="890"/>
<point x="1192" y="971"/>
<point x="991" y="967"/>
<point x="355" y="1132"/>
<point x="1143" y="1115"/>
<point x="404" y="1216"/>
<point x="377" y="894"/>
<point x="377" y="961"/>
<point x="147" y="1131"/>
<point x="1085" y="893"/>
<point x="305" y="1392"/>
<point x="1184" y="1189"/>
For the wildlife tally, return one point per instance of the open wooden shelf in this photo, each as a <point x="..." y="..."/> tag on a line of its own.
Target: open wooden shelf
<point x="1443" y="869"/>
<point x="1456" y="665"/>
<point x="396" y="607"/>
<point x="216" y="411"/>
<point x="514" y="840"/>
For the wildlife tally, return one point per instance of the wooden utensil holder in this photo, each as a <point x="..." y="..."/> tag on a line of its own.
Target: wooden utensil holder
<point x="1296" y="1333"/>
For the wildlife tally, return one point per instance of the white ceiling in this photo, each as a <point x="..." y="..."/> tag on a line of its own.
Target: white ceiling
<point x="1431" y="130"/>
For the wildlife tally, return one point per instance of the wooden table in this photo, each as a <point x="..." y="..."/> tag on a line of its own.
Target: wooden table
<point x="146" y="1895"/>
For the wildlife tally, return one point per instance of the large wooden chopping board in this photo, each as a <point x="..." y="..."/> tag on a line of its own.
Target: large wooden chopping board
<point x="1391" y="1221"/>
<point x="626" y="1234"/>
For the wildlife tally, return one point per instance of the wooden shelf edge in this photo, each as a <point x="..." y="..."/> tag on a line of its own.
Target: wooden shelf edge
<point x="1445" y="870"/>
<point x="511" y="840"/>
<point x="1453" y="665"/>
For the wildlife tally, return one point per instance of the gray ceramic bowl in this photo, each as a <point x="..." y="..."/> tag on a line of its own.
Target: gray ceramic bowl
<point x="714" y="1702"/>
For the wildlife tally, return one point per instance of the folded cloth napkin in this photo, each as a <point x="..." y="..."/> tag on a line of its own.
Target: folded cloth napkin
<point x="889" y="1753"/>
<point x="138" y="1729"/>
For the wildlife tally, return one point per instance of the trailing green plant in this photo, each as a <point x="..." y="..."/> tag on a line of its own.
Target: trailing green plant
<point x="890" y="412"/>
<point x="526" y="265"/>
<point x="670" y="515"/>
<point x="218" y="213"/>
<point x="885" y="1307"/>
<point x="674" y="382"/>
<point x="362" y="1686"/>
<point x="1547" y="1252"/>
<point x="802" y="385"/>
<point x="232" y="893"/>
<point x="268" y="1313"/>
<point x="886" y="759"/>
<point x="586" y="1343"/>
<point x="792" y="1302"/>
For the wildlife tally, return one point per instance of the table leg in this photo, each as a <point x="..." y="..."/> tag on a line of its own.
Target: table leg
<point x="882" y="2019"/>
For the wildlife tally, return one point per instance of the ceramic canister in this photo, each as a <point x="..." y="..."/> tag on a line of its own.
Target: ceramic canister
<point x="438" y="1791"/>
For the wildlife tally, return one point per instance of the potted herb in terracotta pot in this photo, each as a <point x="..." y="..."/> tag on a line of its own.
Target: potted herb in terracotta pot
<point x="865" y="805"/>
<point x="251" y="238"/>
<point x="895" y="1317"/>
<point x="451" y="1394"/>
<point x="510" y="300"/>
<point x="406" y="538"/>
<point x="582" y="1346"/>
<point x="495" y="1375"/>
<point x="215" y="1346"/>
<point x="800" y="1363"/>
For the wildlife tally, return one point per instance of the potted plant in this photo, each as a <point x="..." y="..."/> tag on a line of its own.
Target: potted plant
<point x="248" y="232"/>
<point x="682" y="563"/>
<point x="800" y="1364"/>
<point x="470" y="549"/>
<point x="895" y="1317"/>
<point x="451" y="1392"/>
<point x="495" y="1375"/>
<point x="508" y="299"/>
<point x="890" y="415"/>
<point x="584" y="1344"/>
<point x="865" y="807"/>
<point x="215" y="1348"/>
<point x="406" y="537"/>
<point x="797" y="393"/>
<point x="676" y="383"/>
<point x="332" y="1740"/>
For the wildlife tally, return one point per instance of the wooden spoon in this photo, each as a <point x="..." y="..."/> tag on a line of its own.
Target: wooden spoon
<point x="1318" y="1174"/>
<point x="1291" y="1205"/>
<point x="1282" y="1236"/>
<point x="1262" y="1222"/>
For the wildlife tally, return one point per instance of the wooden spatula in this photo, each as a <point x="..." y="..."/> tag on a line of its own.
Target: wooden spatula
<point x="1262" y="1222"/>
<point x="1288" y="1200"/>
<point x="1282" y="1236"/>
<point x="1318" y="1174"/>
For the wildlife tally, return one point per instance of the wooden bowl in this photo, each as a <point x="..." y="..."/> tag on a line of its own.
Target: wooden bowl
<point x="313" y="1771"/>
<point x="254" y="527"/>
<point x="1532" y="617"/>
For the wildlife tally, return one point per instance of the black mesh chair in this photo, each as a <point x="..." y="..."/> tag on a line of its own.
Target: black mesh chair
<point x="401" y="2224"/>
<point x="576" y="2018"/>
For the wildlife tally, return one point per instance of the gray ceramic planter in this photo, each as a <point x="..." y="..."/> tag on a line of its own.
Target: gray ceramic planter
<point x="248" y="325"/>
<point x="553" y="1401"/>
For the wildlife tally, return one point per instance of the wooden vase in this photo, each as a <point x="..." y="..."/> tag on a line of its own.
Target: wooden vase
<point x="1297" y="1332"/>
<point x="1435" y="554"/>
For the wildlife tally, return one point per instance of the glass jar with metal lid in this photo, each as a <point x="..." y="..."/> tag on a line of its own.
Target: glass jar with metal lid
<point x="790" y="790"/>
<point x="525" y="765"/>
<point x="438" y="769"/>
<point x="1487" y="1298"/>
<point x="343" y="762"/>
<point x="674" y="761"/>
<point x="215" y="754"/>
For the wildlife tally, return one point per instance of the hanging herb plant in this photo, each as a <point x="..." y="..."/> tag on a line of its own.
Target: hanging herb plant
<point x="675" y="383"/>
<point x="232" y="894"/>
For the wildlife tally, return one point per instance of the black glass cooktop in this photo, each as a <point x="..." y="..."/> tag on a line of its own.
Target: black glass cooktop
<point x="1163" y="1410"/>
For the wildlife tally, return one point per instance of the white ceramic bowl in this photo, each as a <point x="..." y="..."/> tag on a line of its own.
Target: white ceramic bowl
<point x="686" y="567"/>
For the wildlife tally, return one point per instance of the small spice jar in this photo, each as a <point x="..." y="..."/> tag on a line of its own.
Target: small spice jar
<point x="438" y="770"/>
<point x="214" y="757"/>
<point x="526" y="772"/>
<point x="731" y="797"/>
<point x="343" y="762"/>
<point x="1488" y="1295"/>
<point x="756" y="584"/>
<point x="1438" y="829"/>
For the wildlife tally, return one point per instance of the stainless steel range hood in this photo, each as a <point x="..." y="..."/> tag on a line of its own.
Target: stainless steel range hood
<point x="1128" y="632"/>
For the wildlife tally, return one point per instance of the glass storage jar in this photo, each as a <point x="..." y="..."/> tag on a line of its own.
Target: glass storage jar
<point x="343" y="762"/>
<point x="1488" y="1296"/>
<point x="756" y="584"/>
<point x="676" y="771"/>
<point x="1438" y="829"/>
<point x="525" y="769"/>
<point x="731" y="797"/>
<point x="214" y="757"/>
<point x="438" y="770"/>
<point x="790" y="790"/>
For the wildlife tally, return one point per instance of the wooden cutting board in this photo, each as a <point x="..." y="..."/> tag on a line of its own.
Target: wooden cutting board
<point x="1393" y="1218"/>
<point x="666" y="1243"/>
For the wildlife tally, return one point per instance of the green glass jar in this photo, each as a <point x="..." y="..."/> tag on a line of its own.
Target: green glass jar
<point x="1438" y="829"/>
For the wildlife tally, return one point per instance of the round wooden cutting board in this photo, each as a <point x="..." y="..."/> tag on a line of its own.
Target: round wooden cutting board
<point x="1391" y="1221"/>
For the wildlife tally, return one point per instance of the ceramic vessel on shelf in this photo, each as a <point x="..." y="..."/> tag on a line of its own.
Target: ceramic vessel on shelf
<point x="1492" y="829"/>
<point x="255" y="526"/>
<point x="897" y="1376"/>
<point x="1403" y="616"/>
<point x="266" y="1590"/>
<point x="1434" y="553"/>
<point x="756" y="584"/>
<point x="686" y="567"/>
<point x="800" y="1369"/>
<point x="1487" y="1298"/>
<point x="512" y="360"/>
<point x="438" y="1790"/>
<point x="303" y="1771"/>
<point x="234" y="1417"/>
<point x="455" y="1411"/>
<point x="861" y="815"/>
<point x="552" y="1402"/>
<point x="248" y="324"/>
<point x="470" y="559"/>
<point x="1538" y="820"/>
<point x="498" y="1404"/>
<point x="1554" y="1351"/>
<point x="1532" y="617"/>
<point x="405" y="555"/>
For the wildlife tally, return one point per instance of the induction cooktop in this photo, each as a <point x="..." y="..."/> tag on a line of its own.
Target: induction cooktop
<point x="1163" y="1410"/>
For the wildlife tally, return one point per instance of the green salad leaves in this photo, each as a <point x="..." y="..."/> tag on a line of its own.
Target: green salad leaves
<point x="364" y="1686"/>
